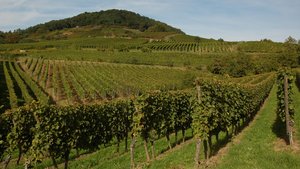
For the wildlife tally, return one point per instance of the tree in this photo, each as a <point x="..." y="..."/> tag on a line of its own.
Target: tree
<point x="289" y="56"/>
<point x="12" y="37"/>
<point x="290" y="40"/>
<point x="266" y="40"/>
<point x="2" y="37"/>
<point x="235" y="66"/>
<point x="218" y="66"/>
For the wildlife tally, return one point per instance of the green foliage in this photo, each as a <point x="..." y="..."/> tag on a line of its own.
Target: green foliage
<point x="290" y="40"/>
<point x="53" y="130"/>
<point x="244" y="64"/>
<point x="298" y="79"/>
<point x="288" y="57"/>
<point x="223" y="104"/>
<point x="256" y="146"/>
<point x="54" y="133"/>
<point x="218" y="67"/>
<point x="200" y="124"/>
<point x="10" y="85"/>
<point x="280" y="94"/>
<point x="145" y="50"/>
<point x="236" y="66"/>
<point x="82" y="82"/>
<point x="264" y="46"/>
<point x="111" y="17"/>
<point x="164" y="113"/>
<point x="2" y="37"/>
<point x="42" y="97"/>
<point x="10" y="37"/>
<point x="23" y="128"/>
<point x="25" y="94"/>
<point x="183" y="106"/>
<point x="4" y="94"/>
<point x="5" y="128"/>
<point x="191" y="46"/>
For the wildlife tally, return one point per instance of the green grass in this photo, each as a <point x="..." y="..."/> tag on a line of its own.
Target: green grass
<point x="296" y="99"/>
<point x="107" y="158"/>
<point x="257" y="146"/>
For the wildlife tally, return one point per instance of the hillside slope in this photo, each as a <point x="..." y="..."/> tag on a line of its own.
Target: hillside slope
<point x="109" y="23"/>
<point x="111" y="17"/>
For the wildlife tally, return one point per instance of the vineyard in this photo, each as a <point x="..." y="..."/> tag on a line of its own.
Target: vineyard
<point x="137" y="101"/>
<point x="74" y="82"/>
<point x="115" y="89"/>
<point x="149" y="117"/>
<point x="200" y="47"/>
<point x="102" y="44"/>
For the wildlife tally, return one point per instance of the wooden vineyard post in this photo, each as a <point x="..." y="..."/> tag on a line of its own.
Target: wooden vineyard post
<point x="286" y="109"/>
<point x="198" y="140"/>
<point x="132" y="145"/>
<point x="197" y="155"/>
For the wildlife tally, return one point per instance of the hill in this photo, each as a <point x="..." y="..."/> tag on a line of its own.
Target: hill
<point x="113" y="17"/>
<point x="114" y="23"/>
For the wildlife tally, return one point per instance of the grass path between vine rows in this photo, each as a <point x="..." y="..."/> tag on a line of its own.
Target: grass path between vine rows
<point x="261" y="146"/>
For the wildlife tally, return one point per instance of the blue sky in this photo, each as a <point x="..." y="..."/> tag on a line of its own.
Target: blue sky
<point x="232" y="20"/>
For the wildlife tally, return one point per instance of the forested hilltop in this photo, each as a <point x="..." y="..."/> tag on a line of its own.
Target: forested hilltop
<point x="113" y="17"/>
<point x="98" y="21"/>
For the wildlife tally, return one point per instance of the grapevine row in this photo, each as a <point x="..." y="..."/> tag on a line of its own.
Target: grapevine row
<point x="280" y="94"/>
<point x="10" y="85"/>
<point x="25" y="94"/>
<point x="191" y="47"/>
<point x="37" y="90"/>
<point x="221" y="105"/>
<point x="100" y="81"/>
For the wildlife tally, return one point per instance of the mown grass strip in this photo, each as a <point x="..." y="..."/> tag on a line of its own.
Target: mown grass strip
<point x="257" y="148"/>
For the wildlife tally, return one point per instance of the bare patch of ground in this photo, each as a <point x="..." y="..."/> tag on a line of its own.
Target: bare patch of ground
<point x="281" y="145"/>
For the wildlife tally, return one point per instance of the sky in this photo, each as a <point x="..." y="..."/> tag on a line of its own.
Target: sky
<point x="231" y="20"/>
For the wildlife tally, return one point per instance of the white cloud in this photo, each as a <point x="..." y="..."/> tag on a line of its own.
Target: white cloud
<point x="11" y="3"/>
<point x="13" y="18"/>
